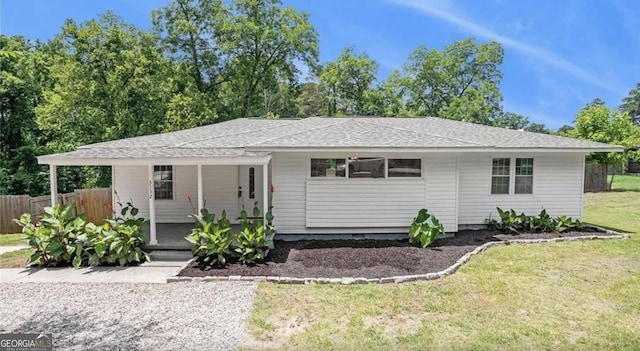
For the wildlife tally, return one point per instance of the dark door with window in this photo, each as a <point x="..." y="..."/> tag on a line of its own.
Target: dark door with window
<point x="250" y="189"/>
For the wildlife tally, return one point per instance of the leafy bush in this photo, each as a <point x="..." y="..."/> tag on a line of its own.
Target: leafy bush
<point x="254" y="238"/>
<point x="59" y="240"/>
<point x="54" y="237"/>
<point x="210" y="239"/>
<point x="214" y="245"/>
<point x="511" y="222"/>
<point x="422" y="232"/>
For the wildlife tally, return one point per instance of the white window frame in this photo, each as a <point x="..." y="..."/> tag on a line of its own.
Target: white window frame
<point x="512" y="175"/>
<point x="173" y="183"/>
<point x="346" y="162"/>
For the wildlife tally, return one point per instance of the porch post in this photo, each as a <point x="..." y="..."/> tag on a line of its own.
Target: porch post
<point x="153" y="240"/>
<point x="200" y="190"/>
<point x="53" y="180"/>
<point x="265" y="191"/>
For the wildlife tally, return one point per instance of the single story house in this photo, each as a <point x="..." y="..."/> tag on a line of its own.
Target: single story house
<point x="356" y="176"/>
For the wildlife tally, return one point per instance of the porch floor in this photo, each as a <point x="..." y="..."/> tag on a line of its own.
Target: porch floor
<point x="171" y="235"/>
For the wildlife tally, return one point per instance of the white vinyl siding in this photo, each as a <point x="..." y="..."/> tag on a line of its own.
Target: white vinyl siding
<point x="358" y="203"/>
<point x="304" y="204"/>
<point x="557" y="187"/>
<point x="220" y="191"/>
<point x="131" y="183"/>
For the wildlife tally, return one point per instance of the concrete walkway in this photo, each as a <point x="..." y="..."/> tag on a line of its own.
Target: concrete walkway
<point x="5" y="249"/>
<point x="153" y="272"/>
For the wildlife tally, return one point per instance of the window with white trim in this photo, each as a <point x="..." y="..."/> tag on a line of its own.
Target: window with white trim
<point x="404" y="167"/>
<point x="163" y="182"/>
<point x="328" y="167"/>
<point x="524" y="176"/>
<point x="508" y="173"/>
<point x="366" y="167"/>
<point x="500" y="175"/>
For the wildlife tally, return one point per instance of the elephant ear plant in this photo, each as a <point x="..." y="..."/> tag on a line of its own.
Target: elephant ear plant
<point x="422" y="232"/>
<point x="54" y="237"/>
<point x="255" y="238"/>
<point x="59" y="240"/>
<point x="210" y="239"/>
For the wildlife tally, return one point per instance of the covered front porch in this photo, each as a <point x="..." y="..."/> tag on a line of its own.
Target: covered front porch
<point x="166" y="190"/>
<point x="170" y="236"/>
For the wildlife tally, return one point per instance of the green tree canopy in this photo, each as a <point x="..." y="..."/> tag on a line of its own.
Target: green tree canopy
<point x="110" y="82"/>
<point x="23" y="74"/>
<point x="460" y="82"/>
<point x="596" y="122"/>
<point x="238" y="52"/>
<point x="346" y="82"/>
<point x="631" y="105"/>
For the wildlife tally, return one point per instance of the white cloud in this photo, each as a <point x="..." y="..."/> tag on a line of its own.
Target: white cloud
<point x="445" y="12"/>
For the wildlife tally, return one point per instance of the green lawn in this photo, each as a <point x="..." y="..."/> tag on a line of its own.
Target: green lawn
<point x="561" y="296"/>
<point x="626" y="182"/>
<point x="15" y="259"/>
<point x="12" y="239"/>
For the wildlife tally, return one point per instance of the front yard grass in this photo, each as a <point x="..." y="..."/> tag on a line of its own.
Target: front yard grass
<point x="561" y="296"/>
<point x="15" y="259"/>
<point x="626" y="182"/>
<point x="12" y="239"/>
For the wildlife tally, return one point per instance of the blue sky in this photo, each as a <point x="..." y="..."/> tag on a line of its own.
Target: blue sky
<point x="559" y="55"/>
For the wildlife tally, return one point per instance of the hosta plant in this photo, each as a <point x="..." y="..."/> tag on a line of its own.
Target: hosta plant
<point x="424" y="232"/>
<point x="210" y="239"/>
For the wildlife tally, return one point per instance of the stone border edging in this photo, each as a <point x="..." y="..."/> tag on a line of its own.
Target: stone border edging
<point x="396" y="279"/>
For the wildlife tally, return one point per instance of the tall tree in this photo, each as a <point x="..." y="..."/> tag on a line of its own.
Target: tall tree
<point x="597" y="123"/>
<point x="311" y="100"/>
<point x="631" y="105"/>
<point x="110" y="81"/>
<point x="460" y="82"/>
<point x="346" y="82"/>
<point x="537" y="128"/>
<point x="23" y="74"/>
<point x="386" y="99"/>
<point x="237" y="50"/>
<point x="511" y="120"/>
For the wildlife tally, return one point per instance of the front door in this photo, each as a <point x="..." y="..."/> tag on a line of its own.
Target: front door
<point x="250" y="189"/>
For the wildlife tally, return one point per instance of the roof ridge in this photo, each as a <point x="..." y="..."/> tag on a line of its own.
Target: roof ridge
<point x="234" y="134"/>
<point x="338" y="121"/>
<point x="426" y="134"/>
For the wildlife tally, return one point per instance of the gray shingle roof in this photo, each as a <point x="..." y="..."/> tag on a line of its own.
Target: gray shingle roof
<point x="232" y="138"/>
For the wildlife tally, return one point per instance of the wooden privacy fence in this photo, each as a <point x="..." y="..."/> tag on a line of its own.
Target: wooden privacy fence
<point x="94" y="203"/>
<point x="595" y="178"/>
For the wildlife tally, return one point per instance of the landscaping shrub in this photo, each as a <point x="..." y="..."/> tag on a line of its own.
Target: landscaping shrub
<point x="422" y="232"/>
<point x="58" y="240"/>
<point x="254" y="239"/>
<point x="214" y="245"/>
<point x="511" y="222"/>
<point x="210" y="239"/>
<point x="53" y="238"/>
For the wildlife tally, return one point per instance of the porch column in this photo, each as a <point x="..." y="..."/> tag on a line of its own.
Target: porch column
<point x="53" y="180"/>
<point x="265" y="192"/>
<point x="153" y="240"/>
<point x="200" y="190"/>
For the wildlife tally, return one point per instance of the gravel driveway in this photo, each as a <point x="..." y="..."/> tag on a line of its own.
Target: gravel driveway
<point x="175" y="316"/>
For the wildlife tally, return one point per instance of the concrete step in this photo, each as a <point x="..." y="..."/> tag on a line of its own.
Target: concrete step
<point x="170" y="255"/>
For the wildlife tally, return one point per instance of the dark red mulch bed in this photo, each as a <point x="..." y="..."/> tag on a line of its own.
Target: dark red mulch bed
<point x="365" y="258"/>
